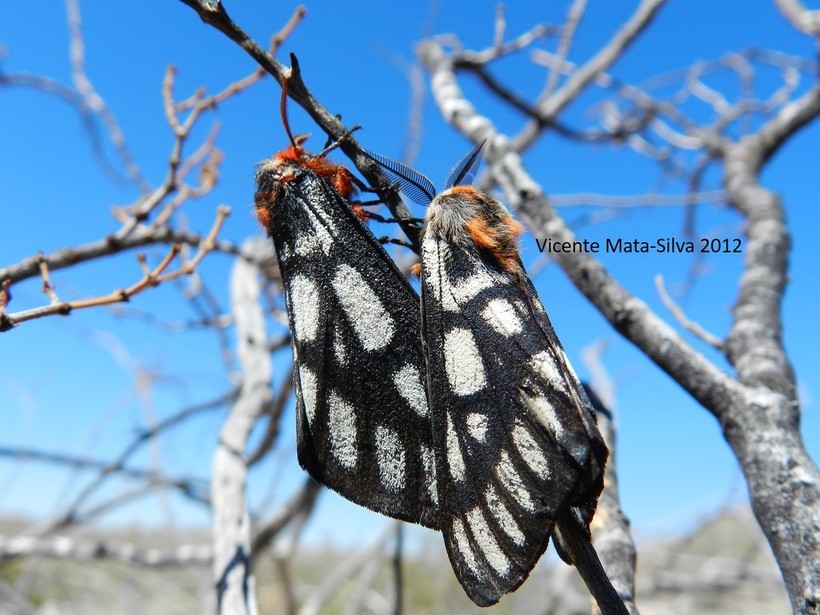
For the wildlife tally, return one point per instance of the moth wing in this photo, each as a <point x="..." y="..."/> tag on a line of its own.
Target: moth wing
<point x="515" y="439"/>
<point x="363" y="425"/>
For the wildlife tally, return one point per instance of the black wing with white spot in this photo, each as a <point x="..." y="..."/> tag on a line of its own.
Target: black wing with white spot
<point x="515" y="439"/>
<point x="363" y="424"/>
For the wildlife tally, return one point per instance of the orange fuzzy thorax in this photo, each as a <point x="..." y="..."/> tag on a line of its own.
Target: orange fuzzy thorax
<point x="336" y="174"/>
<point x="488" y="224"/>
<point x="283" y="164"/>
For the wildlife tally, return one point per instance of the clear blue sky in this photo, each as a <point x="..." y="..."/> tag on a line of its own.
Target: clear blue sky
<point x="66" y="384"/>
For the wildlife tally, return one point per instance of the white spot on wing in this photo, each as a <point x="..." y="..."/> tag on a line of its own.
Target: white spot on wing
<point x="510" y="479"/>
<point x="285" y="253"/>
<point x="339" y="349"/>
<point x="451" y="295"/>
<point x="320" y="238"/>
<point x="501" y="316"/>
<point x="371" y="322"/>
<point x="544" y="365"/>
<point x="307" y="243"/>
<point x="462" y="362"/>
<point x="342" y="430"/>
<point x="482" y="279"/>
<point x="562" y="357"/>
<point x="435" y="254"/>
<point x="467" y="289"/>
<point x="390" y="453"/>
<point x="530" y="451"/>
<point x="503" y="516"/>
<point x="544" y="413"/>
<point x="304" y="306"/>
<point x="307" y="380"/>
<point x="409" y="385"/>
<point x="485" y="539"/>
<point x="454" y="457"/>
<point x="464" y="548"/>
<point x="429" y="463"/>
<point x="477" y="425"/>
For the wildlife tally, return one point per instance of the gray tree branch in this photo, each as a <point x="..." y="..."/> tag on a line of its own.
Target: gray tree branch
<point x="628" y="314"/>
<point x="232" y="526"/>
<point x="553" y="102"/>
<point x="800" y="17"/>
<point x="214" y="14"/>
<point x="757" y="409"/>
<point x="69" y="547"/>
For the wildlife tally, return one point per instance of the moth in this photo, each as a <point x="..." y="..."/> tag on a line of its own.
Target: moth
<point x="459" y="412"/>
<point x="514" y="434"/>
<point x="362" y="419"/>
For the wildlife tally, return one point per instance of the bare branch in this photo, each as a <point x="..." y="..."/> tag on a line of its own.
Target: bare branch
<point x="232" y="531"/>
<point x="214" y="14"/>
<point x="552" y="105"/>
<point x="808" y="22"/>
<point x="693" y="327"/>
<point x="186" y="485"/>
<point x="93" y="100"/>
<point x="343" y="573"/>
<point x="67" y="257"/>
<point x="274" y="419"/>
<point x="576" y="11"/>
<point x="299" y="504"/>
<point x="65" y="547"/>
<point x="630" y="316"/>
<point x="789" y="120"/>
<point x="73" y="514"/>
<point x="150" y="278"/>
<point x="498" y="50"/>
<point x="610" y="526"/>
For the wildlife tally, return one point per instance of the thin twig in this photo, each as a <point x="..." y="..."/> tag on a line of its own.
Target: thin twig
<point x="152" y="278"/>
<point x="693" y="327"/>
<point x="93" y="100"/>
<point x="65" y="547"/>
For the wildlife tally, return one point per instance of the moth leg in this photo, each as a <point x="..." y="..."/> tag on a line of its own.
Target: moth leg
<point x="378" y="218"/>
<point x="399" y="242"/>
<point x="331" y="145"/>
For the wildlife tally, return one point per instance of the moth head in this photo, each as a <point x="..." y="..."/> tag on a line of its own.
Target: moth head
<point x="470" y="218"/>
<point x="461" y="214"/>
<point x="272" y="177"/>
<point x="284" y="166"/>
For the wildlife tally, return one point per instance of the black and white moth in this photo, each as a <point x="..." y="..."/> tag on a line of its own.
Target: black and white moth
<point x="468" y="420"/>
<point x="513" y="431"/>
<point x="362" y="419"/>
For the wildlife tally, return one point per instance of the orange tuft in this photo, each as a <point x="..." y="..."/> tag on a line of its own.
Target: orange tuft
<point x="500" y="240"/>
<point x="361" y="213"/>
<point x="263" y="215"/>
<point x="336" y="174"/>
<point x="343" y="182"/>
<point x="481" y="232"/>
<point x="469" y="192"/>
<point x="516" y="228"/>
<point x="416" y="270"/>
<point x="290" y="155"/>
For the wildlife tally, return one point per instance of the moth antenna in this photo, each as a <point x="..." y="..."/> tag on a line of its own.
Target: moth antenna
<point x="464" y="170"/>
<point x="416" y="186"/>
<point x="283" y="109"/>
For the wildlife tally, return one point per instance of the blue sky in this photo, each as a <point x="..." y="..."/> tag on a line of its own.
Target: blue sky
<point x="68" y="383"/>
